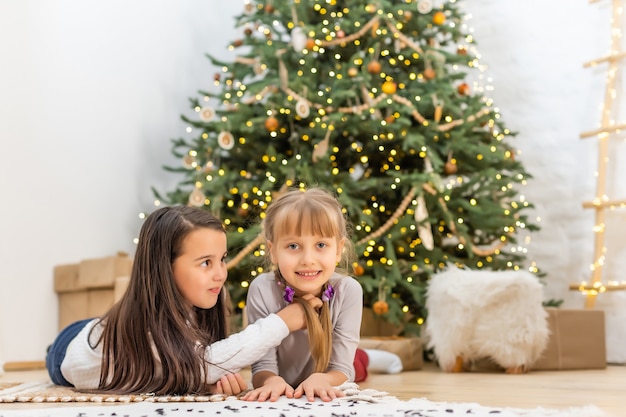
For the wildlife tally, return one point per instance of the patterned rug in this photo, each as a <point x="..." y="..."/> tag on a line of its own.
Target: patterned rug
<point x="362" y="403"/>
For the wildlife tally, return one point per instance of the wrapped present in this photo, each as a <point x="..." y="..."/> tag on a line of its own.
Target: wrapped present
<point x="577" y="340"/>
<point x="409" y="349"/>
<point x="91" y="287"/>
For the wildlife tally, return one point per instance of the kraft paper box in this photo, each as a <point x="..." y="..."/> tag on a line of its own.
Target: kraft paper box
<point x="373" y="325"/>
<point x="409" y="349"/>
<point x="91" y="287"/>
<point x="577" y="340"/>
<point x="102" y="272"/>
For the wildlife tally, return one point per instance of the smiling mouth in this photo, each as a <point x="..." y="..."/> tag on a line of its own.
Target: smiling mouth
<point x="309" y="275"/>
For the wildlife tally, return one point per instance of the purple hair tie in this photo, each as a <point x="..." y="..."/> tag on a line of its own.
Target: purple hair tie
<point x="289" y="293"/>
<point x="328" y="293"/>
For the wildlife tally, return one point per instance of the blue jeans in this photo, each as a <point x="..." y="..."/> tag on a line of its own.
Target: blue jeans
<point x="56" y="351"/>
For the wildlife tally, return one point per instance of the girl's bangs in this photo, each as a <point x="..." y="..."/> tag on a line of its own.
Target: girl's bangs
<point x="308" y="218"/>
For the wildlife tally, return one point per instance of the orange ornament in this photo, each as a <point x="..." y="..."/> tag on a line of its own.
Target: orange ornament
<point x="463" y="89"/>
<point x="439" y="18"/>
<point x="450" y="168"/>
<point x="359" y="270"/>
<point x="353" y="72"/>
<point x="429" y="73"/>
<point x="389" y="87"/>
<point x="271" y="124"/>
<point x="310" y="43"/>
<point x="380" y="307"/>
<point x="374" y="67"/>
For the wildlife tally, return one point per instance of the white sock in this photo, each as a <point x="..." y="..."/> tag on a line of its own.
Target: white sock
<point x="383" y="362"/>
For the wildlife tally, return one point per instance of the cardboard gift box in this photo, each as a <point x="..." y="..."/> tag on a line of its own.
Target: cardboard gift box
<point x="374" y="325"/>
<point x="91" y="287"/>
<point x="409" y="349"/>
<point x="577" y="340"/>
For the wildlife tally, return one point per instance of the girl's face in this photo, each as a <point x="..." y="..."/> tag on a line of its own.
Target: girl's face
<point x="306" y="261"/>
<point x="200" y="270"/>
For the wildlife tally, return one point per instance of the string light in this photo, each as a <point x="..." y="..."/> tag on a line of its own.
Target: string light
<point x="602" y="201"/>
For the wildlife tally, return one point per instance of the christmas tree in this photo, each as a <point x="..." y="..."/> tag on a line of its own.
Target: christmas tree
<point x="383" y="102"/>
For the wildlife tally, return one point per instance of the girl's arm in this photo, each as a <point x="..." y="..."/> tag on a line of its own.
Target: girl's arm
<point x="249" y="345"/>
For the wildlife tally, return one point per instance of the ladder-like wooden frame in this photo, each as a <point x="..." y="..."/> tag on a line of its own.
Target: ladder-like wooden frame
<point x="607" y="130"/>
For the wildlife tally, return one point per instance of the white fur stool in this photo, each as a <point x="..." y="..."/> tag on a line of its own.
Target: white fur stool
<point x="480" y="314"/>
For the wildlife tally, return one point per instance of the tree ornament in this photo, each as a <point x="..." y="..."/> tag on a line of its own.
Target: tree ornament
<point x="424" y="6"/>
<point x="374" y="67"/>
<point x="190" y="161"/>
<point x="380" y="307"/>
<point x="310" y="44"/>
<point x="438" y="112"/>
<point x="341" y="34"/>
<point x="439" y="18"/>
<point x="450" y="168"/>
<point x="461" y="50"/>
<point x="424" y="231"/>
<point x="226" y="140"/>
<point x="197" y="197"/>
<point x="207" y="113"/>
<point x="463" y="89"/>
<point x="353" y="72"/>
<point x="298" y="39"/>
<point x="389" y="87"/>
<point x="271" y="124"/>
<point x="248" y="8"/>
<point x="269" y="8"/>
<point x="408" y="15"/>
<point x="217" y="76"/>
<point x="375" y="27"/>
<point x="359" y="270"/>
<point x="237" y="43"/>
<point x="429" y="73"/>
<point x="303" y="109"/>
<point x="208" y="167"/>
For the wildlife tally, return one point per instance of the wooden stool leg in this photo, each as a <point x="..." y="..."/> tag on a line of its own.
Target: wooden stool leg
<point x="458" y="365"/>
<point x="521" y="369"/>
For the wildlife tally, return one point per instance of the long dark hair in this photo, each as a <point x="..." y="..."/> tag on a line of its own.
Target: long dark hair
<point x="152" y="343"/>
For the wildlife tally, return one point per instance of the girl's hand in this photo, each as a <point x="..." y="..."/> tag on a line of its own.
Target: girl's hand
<point x="230" y="384"/>
<point x="293" y="314"/>
<point x="318" y="385"/>
<point x="272" y="389"/>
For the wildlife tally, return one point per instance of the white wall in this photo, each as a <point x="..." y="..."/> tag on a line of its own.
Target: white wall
<point x="91" y="93"/>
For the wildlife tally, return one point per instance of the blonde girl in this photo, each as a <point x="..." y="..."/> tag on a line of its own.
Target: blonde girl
<point x="307" y="237"/>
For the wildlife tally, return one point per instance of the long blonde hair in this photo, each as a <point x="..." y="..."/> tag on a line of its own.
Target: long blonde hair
<point x="318" y="212"/>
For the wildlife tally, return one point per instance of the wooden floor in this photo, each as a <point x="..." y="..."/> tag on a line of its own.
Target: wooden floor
<point x="556" y="389"/>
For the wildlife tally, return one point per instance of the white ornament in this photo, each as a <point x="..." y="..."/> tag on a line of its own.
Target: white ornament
<point x="207" y="113"/>
<point x="196" y="198"/>
<point x="424" y="6"/>
<point x="423" y="227"/>
<point x="303" y="109"/>
<point x="298" y="39"/>
<point x="190" y="161"/>
<point x="226" y="140"/>
<point x="248" y="8"/>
